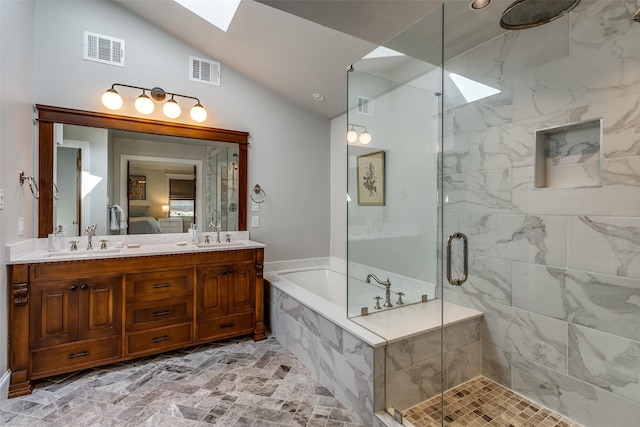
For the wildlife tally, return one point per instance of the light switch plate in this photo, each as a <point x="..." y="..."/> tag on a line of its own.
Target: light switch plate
<point x="20" y="226"/>
<point x="255" y="207"/>
<point x="1" y="198"/>
<point x="255" y="221"/>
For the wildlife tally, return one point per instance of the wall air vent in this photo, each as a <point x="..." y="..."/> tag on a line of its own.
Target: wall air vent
<point x="103" y="49"/>
<point x="365" y="106"/>
<point x="204" y="71"/>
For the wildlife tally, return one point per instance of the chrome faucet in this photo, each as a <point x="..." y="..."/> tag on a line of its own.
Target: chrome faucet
<point x="91" y="231"/>
<point x="218" y="228"/>
<point x="387" y="286"/>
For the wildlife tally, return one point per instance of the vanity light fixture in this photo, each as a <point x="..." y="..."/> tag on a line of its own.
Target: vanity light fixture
<point x="352" y="135"/>
<point x="145" y="104"/>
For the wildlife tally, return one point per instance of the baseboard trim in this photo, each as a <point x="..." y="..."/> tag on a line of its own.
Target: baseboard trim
<point x="4" y="385"/>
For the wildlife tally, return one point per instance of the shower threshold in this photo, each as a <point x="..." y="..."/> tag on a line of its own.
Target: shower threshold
<point x="483" y="402"/>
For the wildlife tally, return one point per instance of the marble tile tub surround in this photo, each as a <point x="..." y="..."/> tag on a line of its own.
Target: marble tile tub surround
<point x="556" y="272"/>
<point x="354" y="368"/>
<point x="235" y="382"/>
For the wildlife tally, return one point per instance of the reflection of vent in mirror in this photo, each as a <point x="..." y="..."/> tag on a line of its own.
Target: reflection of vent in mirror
<point x="365" y="106"/>
<point x="569" y="156"/>
<point x="103" y="49"/>
<point x="204" y="71"/>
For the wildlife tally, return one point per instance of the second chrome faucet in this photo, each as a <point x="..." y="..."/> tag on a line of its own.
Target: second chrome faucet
<point x="387" y="286"/>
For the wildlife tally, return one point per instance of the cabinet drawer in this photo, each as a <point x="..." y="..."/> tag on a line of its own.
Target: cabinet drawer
<point x="163" y="284"/>
<point x="158" y="313"/>
<point x="226" y="326"/>
<point x="69" y="357"/>
<point x="159" y="339"/>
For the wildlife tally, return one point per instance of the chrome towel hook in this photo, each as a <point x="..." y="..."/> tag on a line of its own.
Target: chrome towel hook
<point x="257" y="194"/>
<point x="32" y="183"/>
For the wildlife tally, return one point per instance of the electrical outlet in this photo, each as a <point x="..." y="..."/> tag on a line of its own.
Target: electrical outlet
<point x="255" y="207"/>
<point x="1" y="199"/>
<point x="20" y="226"/>
<point x="255" y="221"/>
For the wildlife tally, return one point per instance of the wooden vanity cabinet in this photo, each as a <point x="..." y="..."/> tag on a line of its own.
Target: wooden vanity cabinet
<point x="70" y="315"/>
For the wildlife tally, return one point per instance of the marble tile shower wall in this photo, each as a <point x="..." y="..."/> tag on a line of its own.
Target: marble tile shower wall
<point x="555" y="271"/>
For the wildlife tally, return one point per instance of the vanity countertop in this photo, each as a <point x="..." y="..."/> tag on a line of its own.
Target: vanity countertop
<point x="122" y="246"/>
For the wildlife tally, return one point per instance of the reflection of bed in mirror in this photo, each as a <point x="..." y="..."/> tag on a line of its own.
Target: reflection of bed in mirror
<point x="141" y="223"/>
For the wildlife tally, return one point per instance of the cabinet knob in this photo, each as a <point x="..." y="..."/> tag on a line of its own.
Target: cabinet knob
<point x="224" y="271"/>
<point x="231" y="271"/>
<point x="84" y="286"/>
<point x="73" y="288"/>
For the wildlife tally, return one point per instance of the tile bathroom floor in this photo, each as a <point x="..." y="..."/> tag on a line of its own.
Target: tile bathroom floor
<point x="483" y="402"/>
<point x="235" y="382"/>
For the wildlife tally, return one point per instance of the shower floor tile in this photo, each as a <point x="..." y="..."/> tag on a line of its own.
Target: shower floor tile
<point x="235" y="382"/>
<point x="483" y="402"/>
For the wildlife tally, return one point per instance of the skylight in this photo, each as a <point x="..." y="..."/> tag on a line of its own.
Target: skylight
<point x="471" y="89"/>
<point x="382" y="52"/>
<point x="217" y="12"/>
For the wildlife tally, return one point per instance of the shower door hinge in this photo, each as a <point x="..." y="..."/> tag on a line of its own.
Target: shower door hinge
<point x="364" y="311"/>
<point x="397" y="415"/>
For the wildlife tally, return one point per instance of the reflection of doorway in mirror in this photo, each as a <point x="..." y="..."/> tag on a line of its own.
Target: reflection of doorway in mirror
<point x="68" y="208"/>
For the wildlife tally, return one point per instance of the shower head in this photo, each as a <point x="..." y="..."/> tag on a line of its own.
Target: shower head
<point x="523" y="14"/>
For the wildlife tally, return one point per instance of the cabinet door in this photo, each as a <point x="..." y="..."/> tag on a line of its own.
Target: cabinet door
<point x="53" y="315"/>
<point x="100" y="309"/>
<point x="241" y="288"/>
<point x="212" y="291"/>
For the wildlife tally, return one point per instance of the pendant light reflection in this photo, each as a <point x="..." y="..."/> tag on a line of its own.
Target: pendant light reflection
<point x="144" y="104"/>
<point x="363" y="137"/>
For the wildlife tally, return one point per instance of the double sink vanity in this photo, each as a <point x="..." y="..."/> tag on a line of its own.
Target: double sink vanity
<point x="72" y="310"/>
<point x="143" y="294"/>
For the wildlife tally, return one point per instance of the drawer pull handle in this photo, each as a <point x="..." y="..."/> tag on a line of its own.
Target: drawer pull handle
<point x="161" y="313"/>
<point x="162" y="285"/>
<point x="164" y="338"/>
<point x="227" y="325"/>
<point x="73" y="356"/>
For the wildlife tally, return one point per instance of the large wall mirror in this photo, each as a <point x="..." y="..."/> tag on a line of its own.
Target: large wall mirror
<point x="136" y="176"/>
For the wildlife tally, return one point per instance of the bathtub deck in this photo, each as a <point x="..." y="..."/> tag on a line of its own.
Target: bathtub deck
<point x="400" y="323"/>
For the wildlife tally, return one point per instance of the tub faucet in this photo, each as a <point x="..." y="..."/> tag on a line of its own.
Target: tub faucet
<point x="387" y="286"/>
<point x="91" y="231"/>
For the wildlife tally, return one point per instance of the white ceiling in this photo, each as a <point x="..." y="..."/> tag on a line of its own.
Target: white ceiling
<point x="300" y="47"/>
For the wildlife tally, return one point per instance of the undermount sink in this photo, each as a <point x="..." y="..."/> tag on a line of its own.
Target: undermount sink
<point x="80" y="253"/>
<point x="221" y="245"/>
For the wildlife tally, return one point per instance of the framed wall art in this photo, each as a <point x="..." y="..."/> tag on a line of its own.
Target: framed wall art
<point x="371" y="179"/>
<point x="137" y="187"/>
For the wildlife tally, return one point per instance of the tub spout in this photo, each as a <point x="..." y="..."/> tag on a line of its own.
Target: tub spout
<point x="387" y="286"/>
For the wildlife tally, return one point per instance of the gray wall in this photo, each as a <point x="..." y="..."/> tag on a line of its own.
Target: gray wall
<point x="16" y="137"/>
<point x="289" y="147"/>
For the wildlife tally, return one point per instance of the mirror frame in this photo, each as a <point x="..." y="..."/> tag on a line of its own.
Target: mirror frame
<point x="48" y="116"/>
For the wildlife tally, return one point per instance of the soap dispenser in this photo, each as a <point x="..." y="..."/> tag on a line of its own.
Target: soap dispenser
<point x="193" y="233"/>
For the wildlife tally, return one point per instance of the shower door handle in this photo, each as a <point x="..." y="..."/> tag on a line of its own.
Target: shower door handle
<point x="465" y="241"/>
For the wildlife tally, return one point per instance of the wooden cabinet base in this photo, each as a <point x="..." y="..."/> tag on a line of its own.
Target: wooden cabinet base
<point x="71" y="315"/>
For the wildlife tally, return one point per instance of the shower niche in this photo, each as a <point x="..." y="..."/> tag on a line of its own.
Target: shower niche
<point x="569" y="156"/>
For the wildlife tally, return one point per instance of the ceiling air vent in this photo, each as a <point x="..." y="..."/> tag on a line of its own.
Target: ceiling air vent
<point x="103" y="49"/>
<point x="365" y="106"/>
<point x="204" y="71"/>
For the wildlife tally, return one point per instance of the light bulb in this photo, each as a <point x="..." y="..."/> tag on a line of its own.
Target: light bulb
<point x="171" y="109"/>
<point x="365" y="137"/>
<point x="112" y="99"/>
<point x="198" y="113"/>
<point x="352" y="136"/>
<point x="144" y="104"/>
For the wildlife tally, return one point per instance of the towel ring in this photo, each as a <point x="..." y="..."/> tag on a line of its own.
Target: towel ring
<point x="32" y="183"/>
<point x="257" y="194"/>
